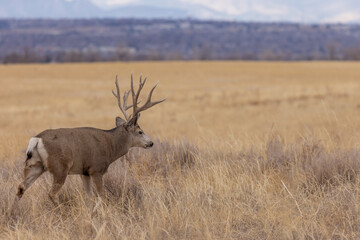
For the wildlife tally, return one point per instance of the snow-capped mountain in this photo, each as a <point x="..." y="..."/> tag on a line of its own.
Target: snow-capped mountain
<point x="309" y="11"/>
<point x="48" y="9"/>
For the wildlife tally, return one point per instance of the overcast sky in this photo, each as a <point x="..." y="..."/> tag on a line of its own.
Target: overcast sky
<point x="345" y="11"/>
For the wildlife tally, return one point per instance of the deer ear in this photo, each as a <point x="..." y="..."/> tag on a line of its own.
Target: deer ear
<point x="119" y="121"/>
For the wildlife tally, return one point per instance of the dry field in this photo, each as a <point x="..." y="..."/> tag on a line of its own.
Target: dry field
<point x="244" y="150"/>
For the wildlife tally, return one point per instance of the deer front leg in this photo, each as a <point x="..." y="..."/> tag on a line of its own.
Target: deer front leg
<point x="87" y="184"/>
<point x="98" y="181"/>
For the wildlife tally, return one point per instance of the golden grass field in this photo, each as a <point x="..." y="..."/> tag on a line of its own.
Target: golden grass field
<point x="245" y="150"/>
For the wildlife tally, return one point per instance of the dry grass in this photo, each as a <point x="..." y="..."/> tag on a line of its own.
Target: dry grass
<point x="271" y="152"/>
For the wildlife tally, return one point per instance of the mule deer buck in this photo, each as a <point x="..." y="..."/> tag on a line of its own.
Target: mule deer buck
<point x="86" y="151"/>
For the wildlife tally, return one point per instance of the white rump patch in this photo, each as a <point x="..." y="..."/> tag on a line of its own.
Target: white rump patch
<point x="39" y="145"/>
<point x="32" y="144"/>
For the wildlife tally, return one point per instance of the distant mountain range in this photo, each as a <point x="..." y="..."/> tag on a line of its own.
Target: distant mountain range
<point x="310" y="11"/>
<point x="82" y="9"/>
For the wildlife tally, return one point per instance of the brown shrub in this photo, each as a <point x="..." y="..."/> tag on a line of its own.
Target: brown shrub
<point x="165" y="157"/>
<point x="308" y="157"/>
<point x="122" y="185"/>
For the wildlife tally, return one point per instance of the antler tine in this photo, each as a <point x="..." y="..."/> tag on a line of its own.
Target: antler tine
<point x="148" y="103"/>
<point x="133" y="93"/>
<point x="125" y="97"/>
<point x="141" y="85"/>
<point x="135" y="97"/>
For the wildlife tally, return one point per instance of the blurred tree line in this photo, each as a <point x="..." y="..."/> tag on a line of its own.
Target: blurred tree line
<point x="29" y="55"/>
<point x="93" y="40"/>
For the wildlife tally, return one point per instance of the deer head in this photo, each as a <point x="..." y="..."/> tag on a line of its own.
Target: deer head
<point x="137" y="136"/>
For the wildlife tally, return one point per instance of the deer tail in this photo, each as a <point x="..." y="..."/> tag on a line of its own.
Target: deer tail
<point x="32" y="145"/>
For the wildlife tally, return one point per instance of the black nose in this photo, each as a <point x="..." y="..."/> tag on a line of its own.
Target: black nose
<point x="151" y="144"/>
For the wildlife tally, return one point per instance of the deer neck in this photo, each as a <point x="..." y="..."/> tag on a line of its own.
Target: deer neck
<point x="120" y="142"/>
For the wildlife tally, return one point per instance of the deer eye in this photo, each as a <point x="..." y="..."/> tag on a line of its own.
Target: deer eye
<point x="141" y="133"/>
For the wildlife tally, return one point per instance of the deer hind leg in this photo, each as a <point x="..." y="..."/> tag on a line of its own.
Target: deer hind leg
<point x="31" y="172"/>
<point x="59" y="168"/>
<point x="57" y="184"/>
<point x="98" y="181"/>
<point x="33" y="169"/>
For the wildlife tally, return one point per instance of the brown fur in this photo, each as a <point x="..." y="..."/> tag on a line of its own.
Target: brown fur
<point x="84" y="151"/>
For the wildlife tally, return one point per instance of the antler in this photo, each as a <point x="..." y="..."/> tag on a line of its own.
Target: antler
<point x="123" y="107"/>
<point x="148" y="103"/>
<point x="136" y="110"/>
